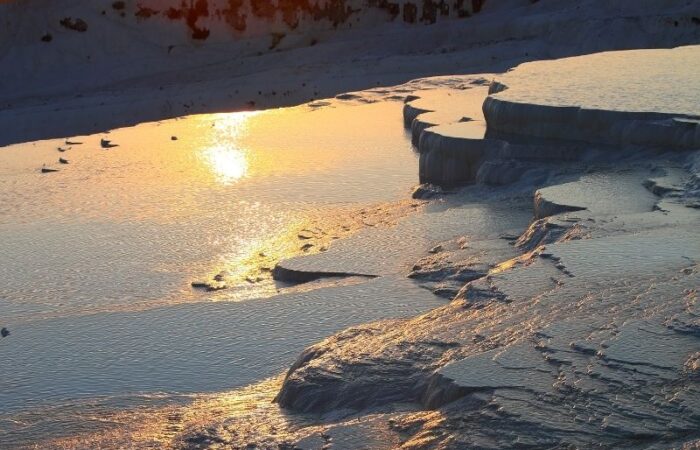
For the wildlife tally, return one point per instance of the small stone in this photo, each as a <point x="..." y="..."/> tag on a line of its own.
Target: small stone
<point x="427" y="190"/>
<point x="305" y="234"/>
<point x="436" y="249"/>
<point x="216" y="286"/>
<point x="4" y="332"/>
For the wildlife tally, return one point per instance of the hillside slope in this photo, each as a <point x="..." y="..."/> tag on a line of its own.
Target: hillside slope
<point x="107" y="63"/>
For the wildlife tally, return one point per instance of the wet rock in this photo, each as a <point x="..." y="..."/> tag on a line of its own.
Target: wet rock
<point x="427" y="191"/>
<point x="448" y="160"/>
<point x="578" y="114"/>
<point x="78" y="24"/>
<point x="542" y="231"/>
<point x="218" y="286"/>
<point x="663" y="186"/>
<point x="106" y="143"/>
<point x="209" y="285"/>
<point x="365" y="384"/>
<point x="306" y="234"/>
<point x="4" y="332"/>
<point x="290" y="275"/>
<point x="545" y="207"/>
<point x="254" y="280"/>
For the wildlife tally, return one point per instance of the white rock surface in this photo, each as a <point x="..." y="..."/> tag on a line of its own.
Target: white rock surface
<point x="605" y="98"/>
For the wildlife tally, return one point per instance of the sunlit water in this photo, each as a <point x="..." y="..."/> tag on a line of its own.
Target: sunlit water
<point x="96" y="260"/>
<point x="136" y="223"/>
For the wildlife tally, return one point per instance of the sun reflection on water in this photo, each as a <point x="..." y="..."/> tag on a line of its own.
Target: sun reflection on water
<point x="223" y="156"/>
<point x="228" y="163"/>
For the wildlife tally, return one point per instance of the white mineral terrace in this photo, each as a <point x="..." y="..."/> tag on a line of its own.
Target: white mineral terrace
<point x="646" y="98"/>
<point x="557" y="111"/>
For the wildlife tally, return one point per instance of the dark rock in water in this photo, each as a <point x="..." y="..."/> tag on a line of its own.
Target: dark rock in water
<point x="427" y="190"/>
<point x="282" y="273"/>
<point x="62" y="160"/>
<point x="216" y="286"/>
<point x="48" y="170"/>
<point x="173" y="138"/>
<point x="78" y="25"/>
<point x="4" y="332"/>
<point x="448" y="292"/>
<point x="106" y="143"/>
<point x="208" y="285"/>
<point x="348" y="96"/>
<point x="545" y="208"/>
<point x="47" y="38"/>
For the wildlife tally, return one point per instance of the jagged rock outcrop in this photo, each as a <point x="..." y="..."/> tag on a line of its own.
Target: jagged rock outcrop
<point x="544" y="123"/>
<point x="615" y="109"/>
<point x="588" y="338"/>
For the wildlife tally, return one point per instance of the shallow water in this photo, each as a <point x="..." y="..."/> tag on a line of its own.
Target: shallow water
<point x="97" y="259"/>
<point x="133" y="225"/>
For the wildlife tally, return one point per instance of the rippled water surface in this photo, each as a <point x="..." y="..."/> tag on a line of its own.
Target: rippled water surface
<point x="135" y="223"/>
<point x="96" y="260"/>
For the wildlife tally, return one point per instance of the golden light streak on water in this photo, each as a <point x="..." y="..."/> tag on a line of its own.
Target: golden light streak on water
<point x="228" y="163"/>
<point x="164" y="427"/>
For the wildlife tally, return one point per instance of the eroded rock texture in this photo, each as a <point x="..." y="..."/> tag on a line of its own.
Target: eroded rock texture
<point x="588" y="337"/>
